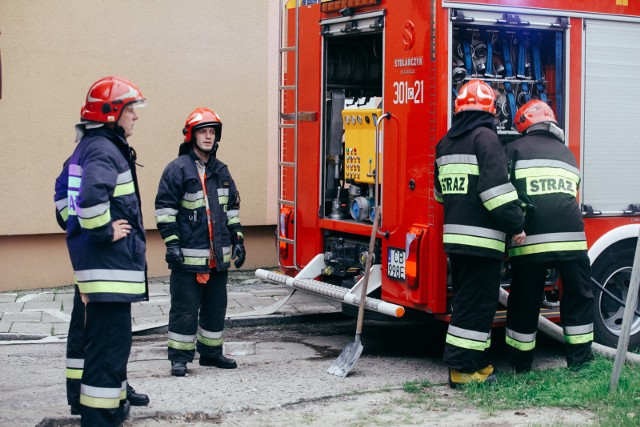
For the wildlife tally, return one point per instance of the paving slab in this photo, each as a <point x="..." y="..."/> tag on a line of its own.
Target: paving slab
<point x="31" y="328"/>
<point x="22" y="316"/>
<point x="8" y="297"/>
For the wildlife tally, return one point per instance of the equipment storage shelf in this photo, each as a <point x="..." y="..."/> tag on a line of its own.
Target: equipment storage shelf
<point x="522" y="57"/>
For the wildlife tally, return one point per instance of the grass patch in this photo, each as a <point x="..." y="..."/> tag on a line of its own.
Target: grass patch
<point x="560" y="387"/>
<point x="416" y="386"/>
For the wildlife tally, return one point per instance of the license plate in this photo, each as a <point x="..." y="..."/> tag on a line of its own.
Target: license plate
<point x="395" y="263"/>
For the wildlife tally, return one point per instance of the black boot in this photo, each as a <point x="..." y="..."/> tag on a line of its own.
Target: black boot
<point x="220" y="362"/>
<point x="178" y="369"/>
<point x="136" y="399"/>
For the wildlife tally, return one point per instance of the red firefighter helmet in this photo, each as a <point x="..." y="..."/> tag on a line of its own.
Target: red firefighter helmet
<point x="534" y="111"/>
<point x="107" y="98"/>
<point x="476" y="95"/>
<point x="200" y="118"/>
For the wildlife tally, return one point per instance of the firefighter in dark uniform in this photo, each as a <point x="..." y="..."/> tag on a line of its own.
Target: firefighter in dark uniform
<point x="545" y="174"/>
<point x="98" y="204"/>
<point x="481" y="210"/>
<point x="197" y="212"/>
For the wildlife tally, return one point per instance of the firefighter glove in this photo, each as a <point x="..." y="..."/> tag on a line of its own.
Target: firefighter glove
<point x="174" y="256"/>
<point x="239" y="254"/>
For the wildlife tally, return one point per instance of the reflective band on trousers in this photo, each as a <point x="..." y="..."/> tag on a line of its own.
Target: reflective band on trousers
<point x="550" y="242"/>
<point x="181" y="342"/>
<point x="466" y="338"/>
<point x="498" y="196"/>
<point x="578" y="334"/>
<point x="208" y="338"/>
<point x="523" y="342"/>
<point x="74" y="368"/>
<point x="100" y="397"/>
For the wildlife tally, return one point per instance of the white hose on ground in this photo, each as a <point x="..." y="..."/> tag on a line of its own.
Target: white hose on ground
<point x="555" y="332"/>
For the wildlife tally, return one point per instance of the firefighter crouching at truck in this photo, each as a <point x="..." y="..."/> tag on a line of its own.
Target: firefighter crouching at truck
<point x="545" y="174"/>
<point x="481" y="209"/>
<point x="197" y="212"/>
<point x="98" y="204"/>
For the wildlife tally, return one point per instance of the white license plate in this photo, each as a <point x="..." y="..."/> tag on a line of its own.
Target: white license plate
<point x="395" y="263"/>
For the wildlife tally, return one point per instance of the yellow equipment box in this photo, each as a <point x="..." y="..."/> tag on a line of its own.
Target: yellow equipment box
<point x="360" y="145"/>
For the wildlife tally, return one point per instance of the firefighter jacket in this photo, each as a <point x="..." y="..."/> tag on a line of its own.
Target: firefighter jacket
<point x="98" y="185"/>
<point x="181" y="211"/>
<point x="481" y="207"/>
<point x="545" y="173"/>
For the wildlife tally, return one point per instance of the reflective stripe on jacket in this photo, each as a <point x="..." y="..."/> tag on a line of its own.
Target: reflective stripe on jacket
<point x="181" y="211"/>
<point x="481" y="207"/>
<point x="545" y="173"/>
<point x="96" y="187"/>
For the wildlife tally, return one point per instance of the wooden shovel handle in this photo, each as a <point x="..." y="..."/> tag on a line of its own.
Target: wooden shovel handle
<point x="367" y="268"/>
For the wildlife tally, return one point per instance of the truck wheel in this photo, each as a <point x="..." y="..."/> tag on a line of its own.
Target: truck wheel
<point x="613" y="271"/>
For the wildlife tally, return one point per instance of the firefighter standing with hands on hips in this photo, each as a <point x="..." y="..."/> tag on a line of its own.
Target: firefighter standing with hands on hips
<point x="197" y="212"/>
<point x="545" y="174"/>
<point x="481" y="209"/>
<point x="98" y="204"/>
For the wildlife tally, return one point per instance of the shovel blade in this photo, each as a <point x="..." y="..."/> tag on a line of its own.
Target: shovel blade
<point x="345" y="361"/>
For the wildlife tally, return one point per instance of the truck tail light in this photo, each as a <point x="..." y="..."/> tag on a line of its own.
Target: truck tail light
<point x="285" y="220"/>
<point x="412" y="249"/>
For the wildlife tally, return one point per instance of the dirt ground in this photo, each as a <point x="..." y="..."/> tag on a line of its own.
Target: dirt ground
<point x="284" y="383"/>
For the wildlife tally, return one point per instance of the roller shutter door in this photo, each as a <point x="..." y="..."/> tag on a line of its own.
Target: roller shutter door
<point x="611" y="163"/>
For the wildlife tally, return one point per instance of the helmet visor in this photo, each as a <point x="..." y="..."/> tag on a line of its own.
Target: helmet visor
<point x="138" y="103"/>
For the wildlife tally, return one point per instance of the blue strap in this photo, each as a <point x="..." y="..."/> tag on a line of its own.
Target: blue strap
<point x="508" y="74"/>
<point x="488" y="72"/>
<point x="537" y="70"/>
<point x="521" y="64"/>
<point x="466" y="47"/>
<point x="559" y="78"/>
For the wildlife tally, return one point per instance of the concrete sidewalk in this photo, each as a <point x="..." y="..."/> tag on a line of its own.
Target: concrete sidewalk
<point x="43" y="316"/>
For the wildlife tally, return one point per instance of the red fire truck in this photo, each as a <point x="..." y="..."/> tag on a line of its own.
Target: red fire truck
<point x="366" y="93"/>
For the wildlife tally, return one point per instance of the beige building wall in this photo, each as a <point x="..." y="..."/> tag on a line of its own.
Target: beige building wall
<point x="182" y="55"/>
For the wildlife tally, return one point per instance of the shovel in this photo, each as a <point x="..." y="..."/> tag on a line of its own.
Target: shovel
<point x="351" y="352"/>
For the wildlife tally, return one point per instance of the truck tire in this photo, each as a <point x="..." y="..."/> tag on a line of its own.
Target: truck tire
<point x="613" y="271"/>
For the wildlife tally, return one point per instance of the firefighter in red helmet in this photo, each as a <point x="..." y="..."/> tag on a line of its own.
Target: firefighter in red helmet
<point x="545" y="174"/>
<point x="481" y="210"/>
<point x="198" y="216"/>
<point x="98" y="204"/>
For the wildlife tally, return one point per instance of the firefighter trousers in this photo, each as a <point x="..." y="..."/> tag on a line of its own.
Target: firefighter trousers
<point x="196" y="317"/>
<point x="576" y="311"/>
<point x="75" y="350"/>
<point x="107" y="337"/>
<point x="476" y="287"/>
